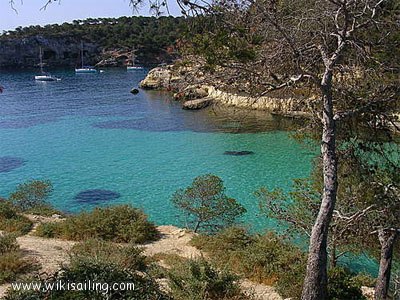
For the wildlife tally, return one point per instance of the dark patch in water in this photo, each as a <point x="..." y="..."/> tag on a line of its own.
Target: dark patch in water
<point x="9" y="163"/>
<point x="96" y="195"/>
<point x="238" y="153"/>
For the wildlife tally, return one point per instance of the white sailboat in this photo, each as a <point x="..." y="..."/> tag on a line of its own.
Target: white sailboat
<point x="133" y="66"/>
<point x="84" y="69"/>
<point x="43" y="75"/>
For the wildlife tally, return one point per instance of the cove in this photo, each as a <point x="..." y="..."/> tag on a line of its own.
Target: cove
<point x="88" y="134"/>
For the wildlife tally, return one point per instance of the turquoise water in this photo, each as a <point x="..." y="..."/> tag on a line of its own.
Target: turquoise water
<point x="88" y="132"/>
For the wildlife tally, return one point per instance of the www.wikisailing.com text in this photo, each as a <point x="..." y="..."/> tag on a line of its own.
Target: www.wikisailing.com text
<point x="60" y="285"/>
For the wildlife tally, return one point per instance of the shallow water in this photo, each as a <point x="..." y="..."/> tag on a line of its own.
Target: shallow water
<point x="100" y="145"/>
<point x="87" y="132"/>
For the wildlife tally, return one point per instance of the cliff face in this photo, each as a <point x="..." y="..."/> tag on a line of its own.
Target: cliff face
<point x="64" y="51"/>
<point x="57" y="52"/>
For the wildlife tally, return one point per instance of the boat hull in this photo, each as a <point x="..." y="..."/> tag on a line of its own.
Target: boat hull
<point x="85" y="71"/>
<point x="134" y="68"/>
<point x="45" y="78"/>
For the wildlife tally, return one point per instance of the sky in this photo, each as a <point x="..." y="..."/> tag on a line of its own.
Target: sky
<point x="29" y="11"/>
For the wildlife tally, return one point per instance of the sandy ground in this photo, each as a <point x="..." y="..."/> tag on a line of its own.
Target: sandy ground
<point x="51" y="253"/>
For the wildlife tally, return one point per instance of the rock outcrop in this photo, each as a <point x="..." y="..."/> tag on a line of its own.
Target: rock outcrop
<point x="195" y="96"/>
<point x="157" y="78"/>
<point x="197" y="104"/>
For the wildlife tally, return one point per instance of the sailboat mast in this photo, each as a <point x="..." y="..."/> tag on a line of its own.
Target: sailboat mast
<point x="41" y="59"/>
<point x="133" y="57"/>
<point x="82" y="53"/>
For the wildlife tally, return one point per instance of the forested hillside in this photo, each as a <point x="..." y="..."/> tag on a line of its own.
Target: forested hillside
<point x="153" y="38"/>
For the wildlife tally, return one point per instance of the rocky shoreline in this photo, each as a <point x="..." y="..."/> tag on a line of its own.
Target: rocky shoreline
<point x="198" y="96"/>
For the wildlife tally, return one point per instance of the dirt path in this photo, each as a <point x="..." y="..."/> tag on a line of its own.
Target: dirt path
<point x="51" y="253"/>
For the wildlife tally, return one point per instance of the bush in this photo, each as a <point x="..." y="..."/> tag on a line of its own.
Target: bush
<point x="11" y="221"/>
<point x="8" y="243"/>
<point x="206" y="206"/>
<point x="12" y="263"/>
<point x="267" y="258"/>
<point x="100" y="262"/>
<point x="43" y="209"/>
<point x="31" y="194"/>
<point x="198" y="280"/>
<point x="342" y="286"/>
<point x="118" y="224"/>
<point x="363" y="279"/>
<point x="126" y="257"/>
<point x="48" y="230"/>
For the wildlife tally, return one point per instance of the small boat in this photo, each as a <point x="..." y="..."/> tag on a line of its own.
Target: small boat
<point x="133" y="67"/>
<point x="46" y="77"/>
<point x="43" y="75"/>
<point x="84" y="69"/>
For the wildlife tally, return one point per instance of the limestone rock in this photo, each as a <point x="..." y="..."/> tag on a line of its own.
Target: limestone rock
<point x="197" y="104"/>
<point x="157" y="78"/>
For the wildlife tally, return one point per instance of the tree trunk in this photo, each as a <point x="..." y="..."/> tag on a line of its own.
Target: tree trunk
<point x="387" y="240"/>
<point x="333" y="258"/>
<point x="196" y="227"/>
<point x="316" y="280"/>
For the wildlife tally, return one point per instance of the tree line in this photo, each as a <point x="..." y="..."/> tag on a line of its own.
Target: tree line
<point x="147" y="34"/>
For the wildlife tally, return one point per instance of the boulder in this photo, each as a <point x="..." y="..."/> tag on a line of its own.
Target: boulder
<point x="134" y="91"/>
<point x="157" y="78"/>
<point x="191" y="93"/>
<point x="197" y="104"/>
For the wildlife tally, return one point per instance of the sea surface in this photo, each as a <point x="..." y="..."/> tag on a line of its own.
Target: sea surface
<point x="100" y="145"/>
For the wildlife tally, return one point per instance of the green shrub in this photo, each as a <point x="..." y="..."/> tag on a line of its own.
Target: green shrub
<point x="7" y="211"/>
<point x="43" y="209"/>
<point x="363" y="279"/>
<point x="11" y="221"/>
<point x="342" y="286"/>
<point x="267" y="258"/>
<point x="8" y="243"/>
<point x="118" y="224"/>
<point x="126" y="257"/>
<point x="206" y="206"/>
<point x="48" y="230"/>
<point x="12" y="262"/>
<point x="31" y="194"/>
<point x="198" y="280"/>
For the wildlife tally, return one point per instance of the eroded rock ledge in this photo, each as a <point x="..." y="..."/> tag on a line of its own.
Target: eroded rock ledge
<point x="197" y="96"/>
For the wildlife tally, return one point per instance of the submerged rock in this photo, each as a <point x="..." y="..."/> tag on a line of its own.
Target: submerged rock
<point x="9" y="163"/>
<point x="197" y="104"/>
<point x="134" y="91"/>
<point x="96" y="195"/>
<point x="238" y="153"/>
